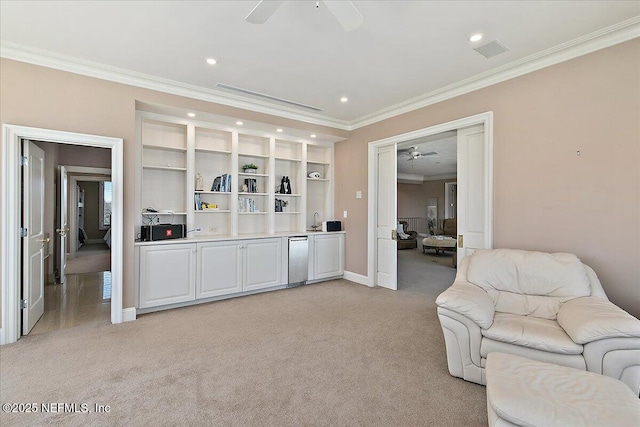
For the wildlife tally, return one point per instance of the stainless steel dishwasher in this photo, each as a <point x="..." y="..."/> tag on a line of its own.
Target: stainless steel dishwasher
<point x="298" y="261"/>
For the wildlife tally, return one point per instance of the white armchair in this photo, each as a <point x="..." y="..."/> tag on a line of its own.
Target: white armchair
<point x="547" y="307"/>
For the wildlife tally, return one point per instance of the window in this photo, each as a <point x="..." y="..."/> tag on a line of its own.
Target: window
<point x="105" y="205"/>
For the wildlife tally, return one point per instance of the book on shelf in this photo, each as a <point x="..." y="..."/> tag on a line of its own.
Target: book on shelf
<point x="222" y="183"/>
<point x="247" y="204"/>
<point x="198" y="202"/>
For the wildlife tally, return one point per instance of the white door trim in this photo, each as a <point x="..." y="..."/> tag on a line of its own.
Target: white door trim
<point x="485" y="119"/>
<point x="10" y="275"/>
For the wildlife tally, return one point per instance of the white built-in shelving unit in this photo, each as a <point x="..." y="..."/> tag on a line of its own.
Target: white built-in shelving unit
<point x="174" y="151"/>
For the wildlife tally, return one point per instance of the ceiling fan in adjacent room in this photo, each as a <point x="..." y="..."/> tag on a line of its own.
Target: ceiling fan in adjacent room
<point x="344" y="11"/>
<point x="414" y="153"/>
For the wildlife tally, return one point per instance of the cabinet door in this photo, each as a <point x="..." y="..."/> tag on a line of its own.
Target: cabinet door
<point x="219" y="269"/>
<point x="262" y="263"/>
<point x="328" y="256"/>
<point x="167" y="274"/>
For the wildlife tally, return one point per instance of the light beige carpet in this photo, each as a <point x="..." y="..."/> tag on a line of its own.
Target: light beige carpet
<point x="330" y="354"/>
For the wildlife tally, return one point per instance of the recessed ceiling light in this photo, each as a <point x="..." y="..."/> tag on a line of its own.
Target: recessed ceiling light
<point x="211" y="61"/>
<point x="278" y="130"/>
<point x="191" y="114"/>
<point x="476" y="37"/>
<point x="239" y="123"/>
<point x="313" y="135"/>
<point x="344" y="99"/>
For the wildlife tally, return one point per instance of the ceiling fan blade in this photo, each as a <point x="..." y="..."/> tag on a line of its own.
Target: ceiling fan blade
<point x="430" y="153"/>
<point x="345" y="13"/>
<point x="263" y="10"/>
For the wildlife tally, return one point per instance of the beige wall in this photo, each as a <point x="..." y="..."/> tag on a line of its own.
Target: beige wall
<point x="92" y="209"/>
<point x="412" y="198"/>
<point x="545" y="196"/>
<point x="94" y="157"/>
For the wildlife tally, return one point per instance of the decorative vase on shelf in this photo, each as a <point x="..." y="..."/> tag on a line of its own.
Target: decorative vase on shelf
<point x="199" y="182"/>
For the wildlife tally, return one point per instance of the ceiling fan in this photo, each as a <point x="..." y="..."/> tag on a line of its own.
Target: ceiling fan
<point x="414" y="153"/>
<point x="345" y="12"/>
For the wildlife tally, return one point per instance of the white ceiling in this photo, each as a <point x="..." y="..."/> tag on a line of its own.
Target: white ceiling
<point x="404" y="49"/>
<point x="442" y="166"/>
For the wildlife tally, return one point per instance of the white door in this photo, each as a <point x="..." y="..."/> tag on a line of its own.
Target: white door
<point x="167" y="274"/>
<point x="386" y="246"/>
<point x="219" y="269"/>
<point x="473" y="182"/>
<point x="33" y="272"/>
<point x="63" y="230"/>
<point x="262" y="260"/>
<point x="328" y="255"/>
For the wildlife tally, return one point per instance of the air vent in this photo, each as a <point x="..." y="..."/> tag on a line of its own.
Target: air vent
<point x="491" y="49"/>
<point x="269" y="97"/>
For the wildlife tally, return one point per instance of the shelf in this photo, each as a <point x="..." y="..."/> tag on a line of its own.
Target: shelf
<point x="287" y="159"/>
<point x="164" y="168"/>
<point x="253" y="213"/>
<point x="163" y="213"/>
<point x="163" y="148"/>
<point x="213" y="211"/>
<point x="210" y="150"/>
<point x="287" y="213"/>
<point x="240" y="193"/>
<point x="222" y="193"/>
<point x="288" y="195"/>
<point x="317" y="163"/>
<point x="257" y="156"/>
<point x="263" y="175"/>
<point x="317" y="179"/>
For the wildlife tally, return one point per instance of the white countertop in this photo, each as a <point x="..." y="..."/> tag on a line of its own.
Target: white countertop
<point x="209" y="238"/>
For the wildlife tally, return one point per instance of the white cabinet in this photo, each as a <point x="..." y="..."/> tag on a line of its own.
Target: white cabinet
<point x="167" y="274"/>
<point x="327" y="256"/>
<point x="262" y="263"/>
<point x="238" y="266"/>
<point x="219" y="269"/>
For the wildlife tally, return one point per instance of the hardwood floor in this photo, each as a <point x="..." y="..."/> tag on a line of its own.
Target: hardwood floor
<point x="83" y="299"/>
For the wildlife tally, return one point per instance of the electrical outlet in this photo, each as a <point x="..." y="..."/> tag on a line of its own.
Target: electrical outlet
<point x="212" y="229"/>
<point x="198" y="230"/>
<point x="358" y="194"/>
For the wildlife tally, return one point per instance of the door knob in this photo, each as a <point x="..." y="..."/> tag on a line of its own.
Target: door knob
<point x="394" y="235"/>
<point x="45" y="240"/>
<point x="460" y="241"/>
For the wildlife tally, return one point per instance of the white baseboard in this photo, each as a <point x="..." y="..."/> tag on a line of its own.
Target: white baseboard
<point x="358" y="278"/>
<point x="128" y="314"/>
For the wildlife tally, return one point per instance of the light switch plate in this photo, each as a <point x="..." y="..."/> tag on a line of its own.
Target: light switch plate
<point x="344" y="214"/>
<point x="358" y="194"/>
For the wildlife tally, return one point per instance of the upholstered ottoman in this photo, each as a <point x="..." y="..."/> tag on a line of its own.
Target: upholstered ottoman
<point x="524" y="392"/>
<point x="439" y="243"/>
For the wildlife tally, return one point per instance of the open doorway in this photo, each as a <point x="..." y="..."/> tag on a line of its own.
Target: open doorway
<point x="426" y="248"/>
<point x="474" y="205"/>
<point x="18" y="290"/>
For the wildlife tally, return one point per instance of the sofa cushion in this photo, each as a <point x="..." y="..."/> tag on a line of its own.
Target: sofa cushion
<point x="528" y="283"/>
<point x="531" y="332"/>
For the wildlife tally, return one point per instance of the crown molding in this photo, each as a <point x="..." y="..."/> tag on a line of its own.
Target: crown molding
<point x="83" y="67"/>
<point x="601" y="39"/>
